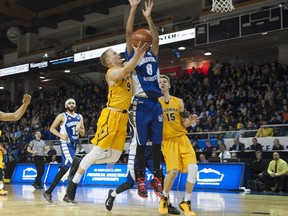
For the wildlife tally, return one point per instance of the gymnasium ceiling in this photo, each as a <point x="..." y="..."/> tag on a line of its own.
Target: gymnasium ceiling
<point x="34" y="15"/>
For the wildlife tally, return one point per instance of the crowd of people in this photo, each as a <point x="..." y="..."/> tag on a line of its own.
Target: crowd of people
<point x="242" y="96"/>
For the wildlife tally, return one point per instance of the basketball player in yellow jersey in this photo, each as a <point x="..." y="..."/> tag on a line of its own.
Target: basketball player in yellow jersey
<point x="177" y="150"/>
<point x="2" y="166"/>
<point x="109" y="139"/>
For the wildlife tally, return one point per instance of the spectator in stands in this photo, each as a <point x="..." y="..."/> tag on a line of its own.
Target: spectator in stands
<point x="234" y="155"/>
<point x="276" y="178"/>
<point x="277" y="145"/>
<point x="51" y="151"/>
<point x="196" y="146"/>
<point x="258" y="167"/>
<point x="224" y="154"/>
<point x="264" y="131"/>
<point x="285" y="114"/>
<point x="202" y="159"/>
<point x="237" y="145"/>
<point x="214" y="155"/>
<point x="219" y="144"/>
<point x="54" y="160"/>
<point x="250" y="126"/>
<point x="208" y="149"/>
<point x="255" y="145"/>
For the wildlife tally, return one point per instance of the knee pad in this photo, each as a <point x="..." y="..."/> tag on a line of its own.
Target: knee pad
<point x="192" y="173"/>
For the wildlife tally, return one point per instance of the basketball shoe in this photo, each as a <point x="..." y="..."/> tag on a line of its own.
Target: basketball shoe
<point x="141" y="186"/>
<point x="3" y="192"/>
<point x="109" y="201"/>
<point x="163" y="206"/>
<point x="186" y="207"/>
<point x="156" y="185"/>
<point x="48" y="197"/>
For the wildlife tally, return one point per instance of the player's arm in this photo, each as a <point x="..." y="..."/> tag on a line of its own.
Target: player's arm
<point x="130" y="23"/>
<point x="118" y="73"/>
<point x="155" y="36"/>
<point x="53" y="129"/>
<point x="185" y="118"/>
<point x="80" y="127"/>
<point x="15" y="116"/>
<point x="3" y="150"/>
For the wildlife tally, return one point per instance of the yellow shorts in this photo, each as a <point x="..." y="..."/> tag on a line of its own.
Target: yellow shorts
<point x="178" y="153"/>
<point x="111" y="130"/>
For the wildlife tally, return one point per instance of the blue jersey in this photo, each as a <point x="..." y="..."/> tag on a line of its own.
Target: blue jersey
<point x="69" y="127"/>
<point x="145" y="79"/>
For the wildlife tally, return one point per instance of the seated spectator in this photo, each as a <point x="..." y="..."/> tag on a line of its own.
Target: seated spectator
<point x="54" y="160"/>
<point x="265" y="131"/>
<point x="258" y="167"/>
<point x="219" y="144"/>
<point x="214" y="155"/>
<point x="234" y="155"/>
<point x="224" y="154"/>
<point x="202" y="159"/>
<point x="276" y="178"/>
<point x="237" y="146"/>
<point x="277" y="145"/>
<point x="208" y="149"/>
<point x="51" y="151"/>
<point x="196" y="146"/>
<point x="255" y="145"/>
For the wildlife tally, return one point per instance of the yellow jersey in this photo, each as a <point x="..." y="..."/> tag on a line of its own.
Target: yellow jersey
<point x="120" y="95"/>
<point x="172" y="126"/>
<point x="1" y="159"/>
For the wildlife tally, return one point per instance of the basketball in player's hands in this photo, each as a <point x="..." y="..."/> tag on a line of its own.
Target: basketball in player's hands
<point x="142" y="35"/>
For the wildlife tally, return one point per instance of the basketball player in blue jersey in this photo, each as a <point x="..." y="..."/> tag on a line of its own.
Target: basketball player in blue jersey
<point x="145" y="106"/>
<point x="71" y="125"/>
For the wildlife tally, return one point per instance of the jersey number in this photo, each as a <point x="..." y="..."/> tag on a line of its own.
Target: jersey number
<point x="75" y="131"/>
<point x="149" y="69"/>
<point x="170" y="116"/>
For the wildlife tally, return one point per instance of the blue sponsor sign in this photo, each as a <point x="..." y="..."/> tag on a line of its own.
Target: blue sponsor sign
<point x="210" y="176"/>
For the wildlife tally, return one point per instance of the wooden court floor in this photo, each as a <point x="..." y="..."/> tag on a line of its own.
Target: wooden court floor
<point x="24" y="200"/>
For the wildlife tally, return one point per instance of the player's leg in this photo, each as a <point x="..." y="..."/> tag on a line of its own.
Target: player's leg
<point x="2" y="191"/>
<point x="68" y="153"/>
<point x="81" y="168"/>
<point x="156" y="129"/>
<point x="139" y="111"/>
<point x="189" y="163"/>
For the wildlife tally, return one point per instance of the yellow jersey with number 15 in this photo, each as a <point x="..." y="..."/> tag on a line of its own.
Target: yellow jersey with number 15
<point x="120" y="95"/>
<point x="172" y="126"/>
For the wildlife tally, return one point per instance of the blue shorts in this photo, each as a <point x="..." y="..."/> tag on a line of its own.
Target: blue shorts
<point x="147" y="119"/>
<point x="68" y="153"/>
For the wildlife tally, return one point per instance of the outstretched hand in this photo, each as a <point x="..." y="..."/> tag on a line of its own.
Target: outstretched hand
<point x="193" y="118"/>
<point x="26" y="99"/>
<point x="148" y="8"/>
<point x="134" y="2"/>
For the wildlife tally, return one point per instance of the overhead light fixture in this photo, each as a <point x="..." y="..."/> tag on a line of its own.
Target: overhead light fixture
<point x="181" y="48"/>
<point x="264" y="33"/>
<point x="42" y="77"/>
<point x="67" y="71"/>
<point x="1" y="87"/>
<point x="207" y="53"/>
<point x="40" y="87"/>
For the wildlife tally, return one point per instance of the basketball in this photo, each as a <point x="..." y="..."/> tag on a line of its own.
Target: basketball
<point x="142" y="35"/>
